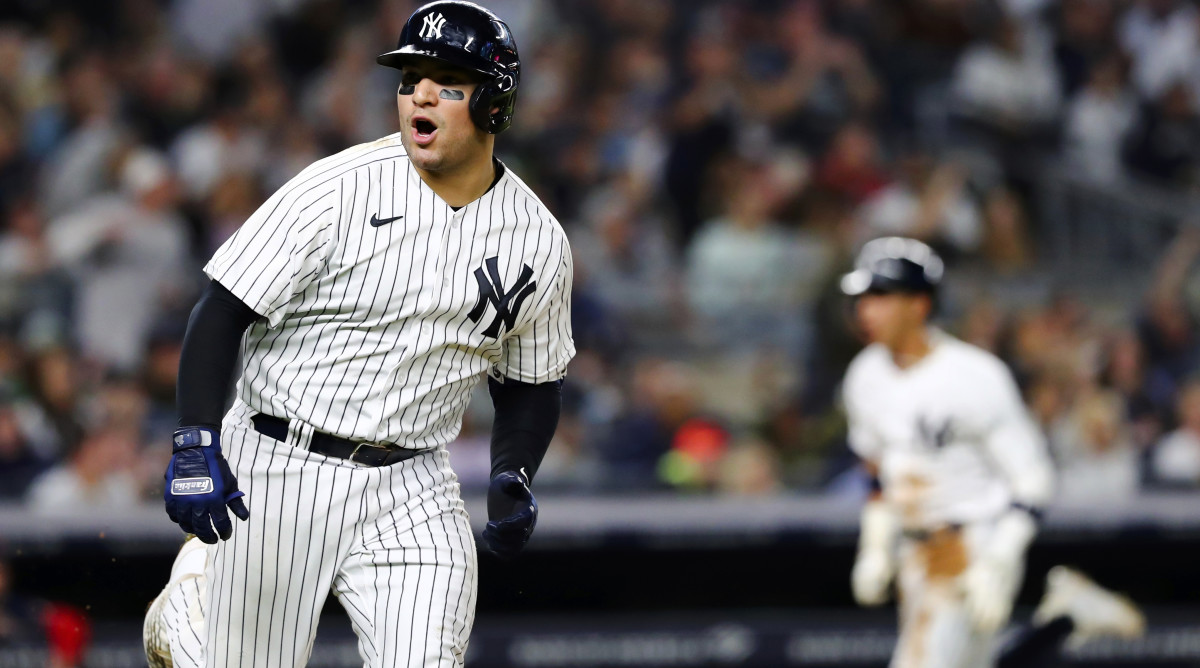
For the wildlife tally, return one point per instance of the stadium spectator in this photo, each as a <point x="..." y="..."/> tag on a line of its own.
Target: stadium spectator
<point x="35" y="291"/>
<point x="1006" y="245"/>
<point x="1097" y="459"/>
<point x="1097" y="121"/>
<point x="853" y="165"/>
<point x="1125" y="373"/>
<point x="929" y="201"/>
<point x="99" y="473"/>
<point x="125" y="252"/>
<point x="19" y="462"/>
<point x="1176" y="459"/>
<point x="1162" y="36"/>
<point x="86" y="131"/>
<point x="1085" y="35"/>
<point x="221" y="144"/>
<point x="823" y="80"/>
<point x="1166" y="326"/>
<point x="1007" y="84"/>
<point x="661" y="399"/>
<point x="743" y="270"/>
<point x="628" y="258"/>
<point x="1165" y="145"/>
<point x="51" y="417"/>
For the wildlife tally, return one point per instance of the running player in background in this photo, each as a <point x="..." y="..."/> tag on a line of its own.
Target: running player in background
<point x="960" y="473"/>
<point x="368" y="297"/>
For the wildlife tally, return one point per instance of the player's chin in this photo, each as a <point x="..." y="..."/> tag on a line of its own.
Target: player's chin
<point x="430" y="161"/>
<point x="424" y="157"/>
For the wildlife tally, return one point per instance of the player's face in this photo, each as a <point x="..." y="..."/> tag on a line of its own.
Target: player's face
<point x="435" y="121"/>
<point x="888" y="318"/>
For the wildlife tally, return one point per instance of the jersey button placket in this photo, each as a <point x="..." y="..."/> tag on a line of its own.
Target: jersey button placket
<point x="455" y="220"/>
<point x="444" y="261"/>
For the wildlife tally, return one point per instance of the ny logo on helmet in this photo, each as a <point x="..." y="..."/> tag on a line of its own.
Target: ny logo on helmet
<point x="432" y="27"/>
<point x="507" y="303"/>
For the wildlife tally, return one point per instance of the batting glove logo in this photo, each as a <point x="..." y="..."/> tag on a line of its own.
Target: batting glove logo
<point x="185" y="486"/>
<point x="201" y="489"/>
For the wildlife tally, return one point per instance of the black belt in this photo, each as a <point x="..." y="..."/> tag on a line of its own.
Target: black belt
<point x="922" y="535"/>
<point x="336" y="446"/>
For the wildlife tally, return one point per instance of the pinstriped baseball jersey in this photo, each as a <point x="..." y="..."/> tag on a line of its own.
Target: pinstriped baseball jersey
<point x="383" y="305"/>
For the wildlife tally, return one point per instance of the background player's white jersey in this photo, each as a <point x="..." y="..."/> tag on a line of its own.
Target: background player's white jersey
<point x="950" y="434"/>
<point x="384" y="305"/>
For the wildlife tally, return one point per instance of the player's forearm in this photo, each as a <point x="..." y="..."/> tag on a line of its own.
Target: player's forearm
<point x="209" y="356"/>
<point x="1019" y="451"/>
<point x="526" y="417"/>
<point x="879" y="527"/>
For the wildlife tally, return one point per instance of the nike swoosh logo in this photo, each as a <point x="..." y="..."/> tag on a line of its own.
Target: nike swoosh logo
<point x="376" y="221"/>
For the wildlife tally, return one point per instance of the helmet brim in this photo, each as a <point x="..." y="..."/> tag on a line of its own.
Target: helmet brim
<point x="863" y="281"/>
<point x="857" y="282"/>
<point x="409" y="53"/>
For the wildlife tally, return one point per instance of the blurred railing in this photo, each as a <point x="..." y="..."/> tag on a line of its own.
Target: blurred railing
<point x="647" y="520"/>
<point x="1106" y="235"/>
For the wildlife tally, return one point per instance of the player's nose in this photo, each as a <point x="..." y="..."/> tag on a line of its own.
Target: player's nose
<point x="425" y="92"/>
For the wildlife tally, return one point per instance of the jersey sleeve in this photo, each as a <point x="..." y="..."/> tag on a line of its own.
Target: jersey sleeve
<point x="539" y="349"/>
<point x="1013" y="441"/>
<point x="864" y="439"/>
<point x="281" y="248"/>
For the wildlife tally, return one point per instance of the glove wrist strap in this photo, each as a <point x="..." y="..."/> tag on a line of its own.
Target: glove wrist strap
<point x="186" y="438"/>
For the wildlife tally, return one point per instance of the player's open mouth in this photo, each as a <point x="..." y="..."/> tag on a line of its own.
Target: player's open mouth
<point x="423" y="130"/>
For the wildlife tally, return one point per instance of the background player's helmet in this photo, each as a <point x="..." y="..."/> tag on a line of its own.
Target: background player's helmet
<point x="471" y="37"/>
<point x="894" y="264"/>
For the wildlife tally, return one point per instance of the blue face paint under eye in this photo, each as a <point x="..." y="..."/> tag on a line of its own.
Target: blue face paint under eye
<point x="406" y="89"/>
<point x="451" y="94"/>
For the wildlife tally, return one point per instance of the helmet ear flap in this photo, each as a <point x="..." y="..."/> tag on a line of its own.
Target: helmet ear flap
<point x="499" y="93"/>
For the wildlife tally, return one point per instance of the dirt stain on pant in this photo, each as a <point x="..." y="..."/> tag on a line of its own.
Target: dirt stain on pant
<point x="943" y="553"/>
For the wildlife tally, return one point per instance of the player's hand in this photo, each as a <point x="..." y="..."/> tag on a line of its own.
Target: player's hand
<point x="875" y="565"/>
<point x="512" y="514"/>
<point x="200" y="486"/>
<point x="991" y="581"/>
<point x="872" y="576"/>
<point x="990" y="587"/>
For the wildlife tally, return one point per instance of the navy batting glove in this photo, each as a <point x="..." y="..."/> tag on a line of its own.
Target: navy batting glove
<point x="200" y="486"/>
<point x="512" y="512"/>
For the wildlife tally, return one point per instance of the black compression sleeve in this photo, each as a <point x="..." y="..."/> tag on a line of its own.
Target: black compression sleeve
<point x="526" y="417"/>
<point x="210" y="350"/>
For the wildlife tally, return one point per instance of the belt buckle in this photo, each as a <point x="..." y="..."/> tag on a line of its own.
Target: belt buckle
<point x="360" y="446"/>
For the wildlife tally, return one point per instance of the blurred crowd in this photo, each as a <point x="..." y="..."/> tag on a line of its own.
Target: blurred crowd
<point x="715" y="164"/>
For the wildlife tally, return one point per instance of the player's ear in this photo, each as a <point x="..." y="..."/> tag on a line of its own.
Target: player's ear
<point x="926" y="302"/>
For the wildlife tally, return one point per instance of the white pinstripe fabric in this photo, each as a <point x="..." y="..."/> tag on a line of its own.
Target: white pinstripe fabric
<point x="377" y="327"/>
<point x="174" y="628"/>
<point x="393" y="543"/>
<point x="367" y="333"/>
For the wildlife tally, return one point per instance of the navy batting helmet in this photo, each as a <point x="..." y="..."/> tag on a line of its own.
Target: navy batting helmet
<point x="894" y="264"/>
<point x="466" y="35"/>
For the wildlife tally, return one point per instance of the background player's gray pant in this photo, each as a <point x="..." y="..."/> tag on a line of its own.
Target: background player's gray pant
<point x="393" y="544"/>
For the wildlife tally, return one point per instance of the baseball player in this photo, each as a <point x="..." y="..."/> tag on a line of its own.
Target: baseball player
<point x="367" y="297"/>
<point x="961" y="471"/>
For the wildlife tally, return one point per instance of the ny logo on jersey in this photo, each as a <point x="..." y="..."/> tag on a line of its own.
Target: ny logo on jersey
<point x="935" y="436"/>
<point x="432" y="27"/>
<point x="507" y="303"/>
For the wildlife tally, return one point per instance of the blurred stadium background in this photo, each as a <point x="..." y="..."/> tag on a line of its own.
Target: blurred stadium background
<point x="715" y="164"/>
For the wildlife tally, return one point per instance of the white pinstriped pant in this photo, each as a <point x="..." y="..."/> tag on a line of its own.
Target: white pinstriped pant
<point x="935" y="629"/>
<point x="392" y="543"/>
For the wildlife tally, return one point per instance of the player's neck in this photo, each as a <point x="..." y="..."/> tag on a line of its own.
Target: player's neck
<point x="911" y="347"/>
<point x="464" y="184"/>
